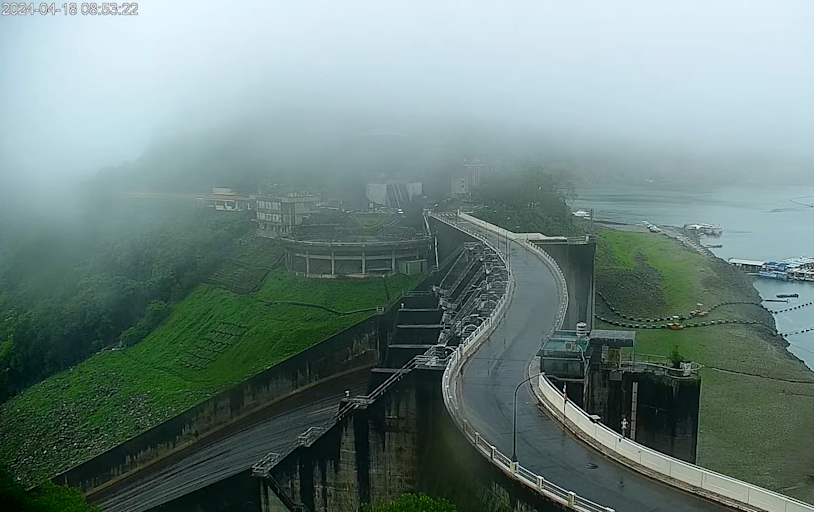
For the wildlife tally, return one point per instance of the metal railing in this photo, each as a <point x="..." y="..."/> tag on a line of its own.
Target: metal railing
<point x="711" y="485"/>
<point x="451" y="383"/>
<point x="716" y="486"/>
<point x="265" y="465"/>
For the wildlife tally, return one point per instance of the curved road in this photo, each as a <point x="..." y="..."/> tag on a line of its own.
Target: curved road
<point x="492" y="375"/>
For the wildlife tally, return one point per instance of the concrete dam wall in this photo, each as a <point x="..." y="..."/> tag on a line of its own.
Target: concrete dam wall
<point x="404" y="442"/>
<point x="576" y="260"/>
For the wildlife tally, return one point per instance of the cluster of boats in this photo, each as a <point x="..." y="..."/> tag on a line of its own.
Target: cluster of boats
<point x="793" y="269"/>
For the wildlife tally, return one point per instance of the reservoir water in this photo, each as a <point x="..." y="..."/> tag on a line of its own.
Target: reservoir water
<point x="759" y="223"/>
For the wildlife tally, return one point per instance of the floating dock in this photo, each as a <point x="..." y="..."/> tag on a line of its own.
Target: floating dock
<point x="793" y="269"/>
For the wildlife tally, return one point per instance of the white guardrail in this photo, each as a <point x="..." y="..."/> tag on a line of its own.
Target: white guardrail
<point x="724" y="489"/>
<point x="451" y="383"/>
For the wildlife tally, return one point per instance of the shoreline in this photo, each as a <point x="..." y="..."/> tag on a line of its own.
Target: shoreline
<point x="778" y="340"/>
<point x="756" y="400"/>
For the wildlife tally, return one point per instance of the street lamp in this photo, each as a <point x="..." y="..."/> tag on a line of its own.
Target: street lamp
<point x="514" y="420"/>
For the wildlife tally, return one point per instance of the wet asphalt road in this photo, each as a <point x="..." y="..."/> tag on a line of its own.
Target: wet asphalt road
<point x="489" y="383"/>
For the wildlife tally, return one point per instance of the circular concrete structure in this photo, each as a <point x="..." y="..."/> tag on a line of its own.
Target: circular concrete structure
<point x="356" y="256"/>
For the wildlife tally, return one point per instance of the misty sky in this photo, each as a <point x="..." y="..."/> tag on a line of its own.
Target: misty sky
<point x="80" y="92"/>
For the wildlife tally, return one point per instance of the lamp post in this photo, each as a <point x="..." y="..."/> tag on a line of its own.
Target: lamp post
<point x="514" y="419"/>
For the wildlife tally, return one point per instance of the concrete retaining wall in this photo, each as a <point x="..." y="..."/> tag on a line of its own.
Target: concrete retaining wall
<point x="404" y="442"/>
<point x="352" y="348"/>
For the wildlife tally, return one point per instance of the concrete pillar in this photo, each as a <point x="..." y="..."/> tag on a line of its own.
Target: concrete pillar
<point x="333" y="263"/>
<point x="572" y="499"/>
<point x="264" y="497"/>
<point x="393" y="260"/>
<point x="307" y="263"/>
<point x="363" y="262"/>
<point x="633" y="407"/>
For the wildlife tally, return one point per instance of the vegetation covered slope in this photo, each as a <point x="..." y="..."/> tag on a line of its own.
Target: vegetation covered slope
<point x="756" y="399"/>
<point x="212" y="340"/>
<point x="415" y="503"/>
<point x="70" y="286"/>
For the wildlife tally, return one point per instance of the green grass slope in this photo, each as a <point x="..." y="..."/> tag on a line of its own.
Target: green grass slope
<point x="755" y="421"/>
<point x="213" y="340"/>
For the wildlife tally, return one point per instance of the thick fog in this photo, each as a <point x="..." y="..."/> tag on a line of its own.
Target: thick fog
<point x="693" y="79"/>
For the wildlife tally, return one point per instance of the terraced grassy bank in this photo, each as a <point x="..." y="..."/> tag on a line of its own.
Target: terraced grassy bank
<point x="757" y="400"/>
<point x="212" y="340"/>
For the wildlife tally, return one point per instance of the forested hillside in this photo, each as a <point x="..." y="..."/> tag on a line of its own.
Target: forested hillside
<point x="71" y="285"/>
<point x="47" y="498"/>
<point x="529" y="199"/>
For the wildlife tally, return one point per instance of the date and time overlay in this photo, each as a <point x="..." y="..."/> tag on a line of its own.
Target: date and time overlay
<point x="68" y="9"/>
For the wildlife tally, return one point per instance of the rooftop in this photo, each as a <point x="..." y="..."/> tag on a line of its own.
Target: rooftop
<point x="751" y="263"/>
<point x="564" y="341"/>
<point x="613" y="338"/>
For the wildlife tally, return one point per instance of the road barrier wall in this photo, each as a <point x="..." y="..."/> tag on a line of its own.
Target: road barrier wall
<point x="686" y="476"/>
<point x="722" y="488"/>
<point x="451" y="388"/>
<point x="712" y="485"/>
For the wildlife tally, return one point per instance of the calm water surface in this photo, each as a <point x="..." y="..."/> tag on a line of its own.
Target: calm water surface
<point x="758" y="223"/>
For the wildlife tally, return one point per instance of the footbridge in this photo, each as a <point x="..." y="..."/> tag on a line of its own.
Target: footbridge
<point x="559" y="450"/>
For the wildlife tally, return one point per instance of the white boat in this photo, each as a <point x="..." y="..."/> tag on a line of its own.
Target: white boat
<point x="704" y="229"/>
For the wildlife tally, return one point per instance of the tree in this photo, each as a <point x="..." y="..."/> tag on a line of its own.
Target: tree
<point x="67" y="292"/>
<point x="675" y="357"/>
<point x="47" y="498"/>
<point x="530" y="199"/>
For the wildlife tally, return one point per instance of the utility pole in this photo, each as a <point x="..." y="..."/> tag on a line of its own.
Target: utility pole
<point x="514" y="417"/>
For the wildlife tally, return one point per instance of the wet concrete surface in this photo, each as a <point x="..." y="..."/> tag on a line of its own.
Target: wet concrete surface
<point x="225" y="455"/>
<point x="489" y="382"/>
